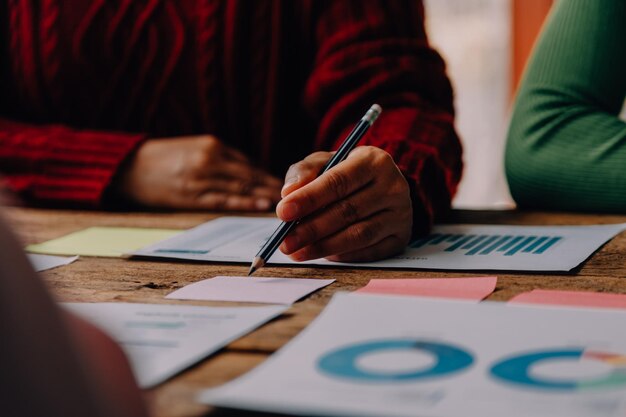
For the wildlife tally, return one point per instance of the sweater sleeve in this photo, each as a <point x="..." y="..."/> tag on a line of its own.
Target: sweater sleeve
<point x="566" y="144"/>
<point x="377" y="52"/>
<point x="56" y="165"/>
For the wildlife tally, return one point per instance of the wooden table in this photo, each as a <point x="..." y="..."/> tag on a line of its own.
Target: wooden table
<point x="107" y="279"/>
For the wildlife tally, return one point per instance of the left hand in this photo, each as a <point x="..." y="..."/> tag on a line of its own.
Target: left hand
<point x="360" y="210"/>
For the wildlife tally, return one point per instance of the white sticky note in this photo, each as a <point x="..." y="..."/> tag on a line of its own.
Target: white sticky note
<point x="44" y="262"/>
<point x="250" y="289"/>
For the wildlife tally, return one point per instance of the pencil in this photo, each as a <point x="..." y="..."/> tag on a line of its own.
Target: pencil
<point x="274" y="241"/>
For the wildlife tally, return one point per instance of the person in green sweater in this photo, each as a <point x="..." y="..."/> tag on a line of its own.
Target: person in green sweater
<point x="566" y="146"/>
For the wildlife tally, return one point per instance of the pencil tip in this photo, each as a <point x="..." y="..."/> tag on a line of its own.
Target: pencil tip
<point x="256" y="264"/>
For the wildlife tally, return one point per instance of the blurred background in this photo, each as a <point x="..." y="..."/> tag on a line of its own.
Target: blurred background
<point x="485" y="44"/>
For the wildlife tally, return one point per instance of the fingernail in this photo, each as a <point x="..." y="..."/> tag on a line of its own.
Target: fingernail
<point x="263" y="204"/>
<point x="289" y="211"/>
<point x="292" y="243"/>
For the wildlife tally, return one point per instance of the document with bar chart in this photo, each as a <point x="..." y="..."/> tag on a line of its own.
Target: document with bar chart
<point x="522" y="248"/>
<point x="449" y="247"/>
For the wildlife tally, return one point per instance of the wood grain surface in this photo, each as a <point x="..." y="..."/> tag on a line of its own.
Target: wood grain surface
<point x="108" y="279"/>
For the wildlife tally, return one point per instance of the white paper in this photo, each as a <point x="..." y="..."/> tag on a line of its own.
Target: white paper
<point x="44" y="262"/>
<point x="162" y="340"/>
<point x="532" y="248"/>
<point x="372" y="355"/>
<point x="250" y="289"/>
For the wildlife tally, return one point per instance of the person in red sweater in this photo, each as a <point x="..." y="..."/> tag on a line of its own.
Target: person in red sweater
<point x="204" y="104"/>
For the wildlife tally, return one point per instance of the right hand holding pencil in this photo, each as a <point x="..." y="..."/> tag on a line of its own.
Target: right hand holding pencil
<point x="360" y="210"/>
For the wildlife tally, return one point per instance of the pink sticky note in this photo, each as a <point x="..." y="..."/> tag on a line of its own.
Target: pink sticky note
<point x="571" y="298"/>
<point x="473" y="288"/>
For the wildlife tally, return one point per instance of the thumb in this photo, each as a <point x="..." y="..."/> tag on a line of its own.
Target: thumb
<point x="303" y="172"/>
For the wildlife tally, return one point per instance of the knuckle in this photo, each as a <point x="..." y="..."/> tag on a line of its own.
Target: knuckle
<point x="209" y="145"/>
<point x="366" y="151"/>
<point x="317" y="156"/>
<point x="209" y="141"/>
<point x="347" y="211"/>
<point x="337" y="182"/>
<point x="382" y="158"/>
<point x="364" y="233"/>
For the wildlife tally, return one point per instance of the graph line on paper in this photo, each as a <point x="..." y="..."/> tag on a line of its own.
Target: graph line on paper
<point x="484" y="244"/>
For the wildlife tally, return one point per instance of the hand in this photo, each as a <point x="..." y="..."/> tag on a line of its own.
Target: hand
<point x="360" y="210"/>
<point x="197" y="172"/>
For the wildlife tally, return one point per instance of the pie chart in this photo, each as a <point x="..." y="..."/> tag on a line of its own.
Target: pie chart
<point x="347" y="362"/>
<point x="518" y="370"/>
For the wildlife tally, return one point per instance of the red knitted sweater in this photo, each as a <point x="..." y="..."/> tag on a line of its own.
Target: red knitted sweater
<point x="83" y="82"/>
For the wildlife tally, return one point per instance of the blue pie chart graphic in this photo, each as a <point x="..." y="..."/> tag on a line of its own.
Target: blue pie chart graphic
<point x="343" y="362"/>
<point x="516" y="370"/>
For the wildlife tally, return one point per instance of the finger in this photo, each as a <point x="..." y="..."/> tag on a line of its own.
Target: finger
<point x="389" y="246"/>
<point x="305" y="171"/>
<point x="232" y="186"/>
<point x="338" y="216"/>
<point x="230" y="202"/>
<point x="240" y="170"/>
<point x="357" y="236"/>
<point x="334" y="185"/>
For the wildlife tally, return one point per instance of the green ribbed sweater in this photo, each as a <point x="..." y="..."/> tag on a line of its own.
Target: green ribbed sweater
<point x="566" y="146"/>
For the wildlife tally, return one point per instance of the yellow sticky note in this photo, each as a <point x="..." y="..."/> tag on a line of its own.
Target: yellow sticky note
<point x="102" y="241"/>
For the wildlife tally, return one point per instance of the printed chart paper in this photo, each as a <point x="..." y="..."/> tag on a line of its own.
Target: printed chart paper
<point x="45" y="262"/>
<point x="451" y="247"/>
<point x="102" y="241"/>
<point x="371" y="355"/>
<point x="470" y="288"/>
<point x="162" y="340"/>
<point x="250" y="289"/>
<point x="571" y="298"/>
